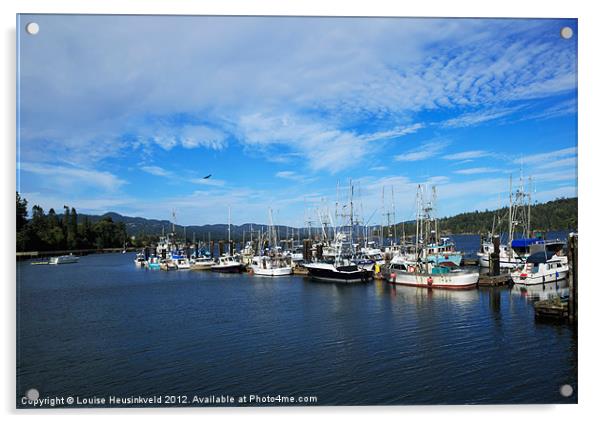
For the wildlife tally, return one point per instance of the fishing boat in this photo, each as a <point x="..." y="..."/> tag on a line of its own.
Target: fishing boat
<point x="202" y="263"/>
<point x="541" y="268"/>
<point x="428" y="275"/>
<point x="270" y="266"/>
<point x="227" y="264"/>
<point x="67" y="259"/>
<point x="443" y="252"/>
<point x="427" y="269"/>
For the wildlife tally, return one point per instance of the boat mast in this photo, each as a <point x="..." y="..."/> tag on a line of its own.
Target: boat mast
<point x="229" y="237"/>
<point x="510" y="216"/>
<point x="393" y="208"/>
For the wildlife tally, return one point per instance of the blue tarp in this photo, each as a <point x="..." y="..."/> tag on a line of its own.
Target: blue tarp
<point x="524" y="242"/>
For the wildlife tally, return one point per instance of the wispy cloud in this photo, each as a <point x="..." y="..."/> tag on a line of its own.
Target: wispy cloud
<point x="425" y="151"/>
<point x="467" y="155"/>
<point x="64" y="177"/>
<point x="155" y="170"/>
<point x="542" y="158"/>
<point x="476" y="170"/>
<point x="476" y="118"/>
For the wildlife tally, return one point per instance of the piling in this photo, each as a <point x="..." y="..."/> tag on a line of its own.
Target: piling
<point x="494" y="258"/>
<point x="231" y="248"/>
<point x="212" y="248"/>
<point x="319" y="251"/>
<point x="306" y="250"/>
<point x="220" y="246"/>
<point x="572" y="259"/>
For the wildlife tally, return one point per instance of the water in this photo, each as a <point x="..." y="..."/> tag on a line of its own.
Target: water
<point x="102" y="327"/>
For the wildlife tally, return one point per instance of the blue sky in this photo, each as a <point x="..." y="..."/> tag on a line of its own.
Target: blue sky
<point x="129" y="113"/>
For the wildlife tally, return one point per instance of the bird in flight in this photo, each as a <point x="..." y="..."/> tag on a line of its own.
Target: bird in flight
<point x="207" y="177"/>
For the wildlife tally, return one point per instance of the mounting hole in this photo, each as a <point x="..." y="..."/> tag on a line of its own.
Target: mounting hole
<point x="566" y="32"/>
<point x="566" y="390"/>
<point x="32" y="28"/>
<point x="32" y="394"/>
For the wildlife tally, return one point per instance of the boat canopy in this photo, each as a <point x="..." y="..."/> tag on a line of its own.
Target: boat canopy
<point x="539" y="257"/>
<point x="524" y="242"/>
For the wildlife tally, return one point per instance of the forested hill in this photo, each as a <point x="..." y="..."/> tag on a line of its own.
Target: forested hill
<point x="43" y="231"/>
<point x="559" y="214"/>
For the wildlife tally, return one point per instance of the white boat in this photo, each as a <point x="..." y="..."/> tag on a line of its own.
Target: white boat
<point x="202" y="263"/>
<point x="181" y="262"/>
<point x="227" y="264"/>
<point x="67" y="259"/>
<point x="140" y="260"/>
<point x="431" y="276"/>
<point x="270" y="266"/>
<point x="541" y="268"/>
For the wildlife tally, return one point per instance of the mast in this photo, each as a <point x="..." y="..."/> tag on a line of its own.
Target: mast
<point x="393" y="208"/>
<point x="510" y="216"/>
<point x="229" y="237"/>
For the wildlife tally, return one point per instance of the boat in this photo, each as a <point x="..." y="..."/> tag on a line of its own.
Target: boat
<point x="153" y="263"/>
<point x="140" y="260"/>
<point x="165" y="264"/>
<point x="339" y="271"/>
<point x="428" y="268"/>
<point x="227" y="264"/>
<point x="429" y="275"/>
<point x="66" y="259"/>
<point x="181" y="262"/>
<point x="540" y="268"/>
<point x="202" y="263"/>
<point x="270" y="266"/>
<point x="443" y="252"/>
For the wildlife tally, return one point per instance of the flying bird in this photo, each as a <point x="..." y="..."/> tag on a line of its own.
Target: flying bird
<point x="208" y="176"/>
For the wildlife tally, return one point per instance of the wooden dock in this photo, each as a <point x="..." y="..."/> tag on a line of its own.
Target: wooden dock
<point x="300" y="270"/>
<point x="499" y="280"/>
<point x="551" y="309"/>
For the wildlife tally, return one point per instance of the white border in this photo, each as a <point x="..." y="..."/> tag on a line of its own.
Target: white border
<point x="590" y="73"/>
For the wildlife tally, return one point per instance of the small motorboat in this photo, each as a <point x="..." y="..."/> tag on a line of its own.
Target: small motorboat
<point x="67" y="259"/>
<point x="227" y="264"/>
<point x="541" y="268"/>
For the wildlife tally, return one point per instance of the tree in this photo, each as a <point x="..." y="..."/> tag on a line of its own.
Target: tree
<point x="21" y="212"/>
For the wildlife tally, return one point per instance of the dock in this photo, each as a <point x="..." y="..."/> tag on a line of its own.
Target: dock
<point x="551" y="309"/>
<point x="497" y="280"/>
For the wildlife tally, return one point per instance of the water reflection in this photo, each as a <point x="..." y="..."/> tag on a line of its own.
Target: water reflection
<point x="544" y="291"/>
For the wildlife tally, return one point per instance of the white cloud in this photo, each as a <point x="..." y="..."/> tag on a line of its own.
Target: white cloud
<point x="155" y="170"/>
<point x="467" y="156"/>
<point x="543" y="158"/>
<point x="476" y="170"/>
<point x="476" y="118"/>
<point x="65" y="178"/>
<point x="425" y="151"/>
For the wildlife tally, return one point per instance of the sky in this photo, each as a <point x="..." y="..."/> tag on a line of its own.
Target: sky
<point x="130" y="113"/>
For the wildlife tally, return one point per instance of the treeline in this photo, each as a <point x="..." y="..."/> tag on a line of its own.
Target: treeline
<point x="48" y="232"/>
<point x="555" y="215"/>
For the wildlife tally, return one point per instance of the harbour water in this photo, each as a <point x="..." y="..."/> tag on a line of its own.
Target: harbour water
<point x="102" y="327"/>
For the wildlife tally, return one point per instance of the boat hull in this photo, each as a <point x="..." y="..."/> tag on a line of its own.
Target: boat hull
<point x="442" y="281"/>
<point x="339" y="275"/>
<point x="64" y="260"/>
<point x="279" y="271"/>
<point x="539" y="279"/>
<point x="227" y="269"/>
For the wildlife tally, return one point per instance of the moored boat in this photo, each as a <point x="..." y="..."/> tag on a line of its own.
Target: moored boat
<point x="202" y="263"/>
<point x="270" y="266"/>
<point x="66" y="259"/>
<point x="541" y="268"/>
<point x="227" y="264"/>
<point x="340" y="273"/>
<point x="432" y="276"/>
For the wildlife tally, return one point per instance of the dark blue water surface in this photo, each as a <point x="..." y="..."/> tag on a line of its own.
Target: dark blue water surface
<point x="102" y="327"/>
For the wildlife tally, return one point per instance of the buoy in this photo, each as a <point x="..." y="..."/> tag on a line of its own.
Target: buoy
<point x="429" y="280"/>
<point x="392" y="277"/>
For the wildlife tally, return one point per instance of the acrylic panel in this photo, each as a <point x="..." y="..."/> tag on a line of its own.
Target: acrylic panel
<point x="295" y="211"/>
